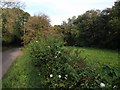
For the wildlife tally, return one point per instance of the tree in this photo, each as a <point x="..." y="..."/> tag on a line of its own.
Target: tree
<point x="11" y="11"/>
<point x="86" y="24"/>
<point x="18" y="26"/>
<point x="94" y="28"/>
<point x="70" y="31"/>
<point x="114" y="24"/>
<point x="12" y="24"/>
<point x="35" y="25"/>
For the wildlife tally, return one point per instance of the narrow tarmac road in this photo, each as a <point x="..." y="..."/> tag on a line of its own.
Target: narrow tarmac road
<point x="8" y="57"/>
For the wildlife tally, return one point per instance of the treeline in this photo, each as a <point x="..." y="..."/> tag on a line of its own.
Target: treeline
<point x="94" y="28"/>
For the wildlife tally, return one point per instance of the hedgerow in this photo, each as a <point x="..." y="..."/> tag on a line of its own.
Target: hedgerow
<point x="61" y="69"/>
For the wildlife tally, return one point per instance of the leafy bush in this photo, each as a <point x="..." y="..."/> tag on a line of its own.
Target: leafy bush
<point x="62" y="69"/>
<point x="94" y="78"/>
<point x="53" y="62"/>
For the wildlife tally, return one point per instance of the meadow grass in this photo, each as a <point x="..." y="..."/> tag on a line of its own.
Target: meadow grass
<point x="101" y="56"/>
<point x="23" y="74"/>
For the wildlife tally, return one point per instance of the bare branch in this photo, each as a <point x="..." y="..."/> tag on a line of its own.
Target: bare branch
<point x="12" y="4"/>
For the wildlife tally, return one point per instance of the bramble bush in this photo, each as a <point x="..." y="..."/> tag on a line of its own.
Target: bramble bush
<point x="53" y="62"/>
<point x="62" y="69"/>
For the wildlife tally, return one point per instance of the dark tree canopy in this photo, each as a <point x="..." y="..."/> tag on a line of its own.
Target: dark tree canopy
<point x="13" y="20"/>
<point x="94" y="28"/>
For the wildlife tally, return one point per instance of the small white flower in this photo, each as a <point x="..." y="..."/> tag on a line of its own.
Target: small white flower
<point x="65" y="78"/>
<point x="102" y="85"/>
<point x="66" y="75"/>
<point x="48" y="46"/>
<point x="51" y="75"/>
<point x="59" y="76"/>
<point x="36" y="41"/>
<point x="39" y="74"/>
<point x="55" y="56"/>
<point x="115" y="86"/>
<point x="59" y="52"/>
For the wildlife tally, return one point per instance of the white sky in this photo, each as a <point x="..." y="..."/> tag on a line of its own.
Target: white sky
<point x="61" y="10"/>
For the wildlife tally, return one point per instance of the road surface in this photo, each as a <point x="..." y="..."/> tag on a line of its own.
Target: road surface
<point x="8" y="57"/>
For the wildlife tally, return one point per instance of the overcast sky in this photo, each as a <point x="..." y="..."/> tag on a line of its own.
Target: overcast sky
<point x="61" y="10"/>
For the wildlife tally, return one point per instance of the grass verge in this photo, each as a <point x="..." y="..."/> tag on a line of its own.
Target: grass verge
<point x="22" y="75"/>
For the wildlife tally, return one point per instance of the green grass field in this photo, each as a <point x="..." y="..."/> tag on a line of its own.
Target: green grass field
<point x="102" y="56"/>
<point x="23" y="75"/>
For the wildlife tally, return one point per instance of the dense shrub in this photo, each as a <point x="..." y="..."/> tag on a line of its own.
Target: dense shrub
<point x="53" y="62"/>
<point x="94" y="78"/>
<point x="62" y="69"/>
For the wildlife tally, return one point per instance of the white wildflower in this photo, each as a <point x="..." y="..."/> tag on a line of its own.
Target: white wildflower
<point x="55" y="56"/>
<point x="65" y="78"/>
<point x="36" y="41"/>
<point x="115" y="86"/>
<point x="59" y="52"/>
<point x="51" y="75"/>
<point x="48" y="46"/>
<point x="39" y="74"/>
<point x="66" y="75"/>
<point x="102" y="85"/>
<point x="59" y="76"/>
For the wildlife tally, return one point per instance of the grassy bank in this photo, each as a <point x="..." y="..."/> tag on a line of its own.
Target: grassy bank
<point x="22" y="74"/>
